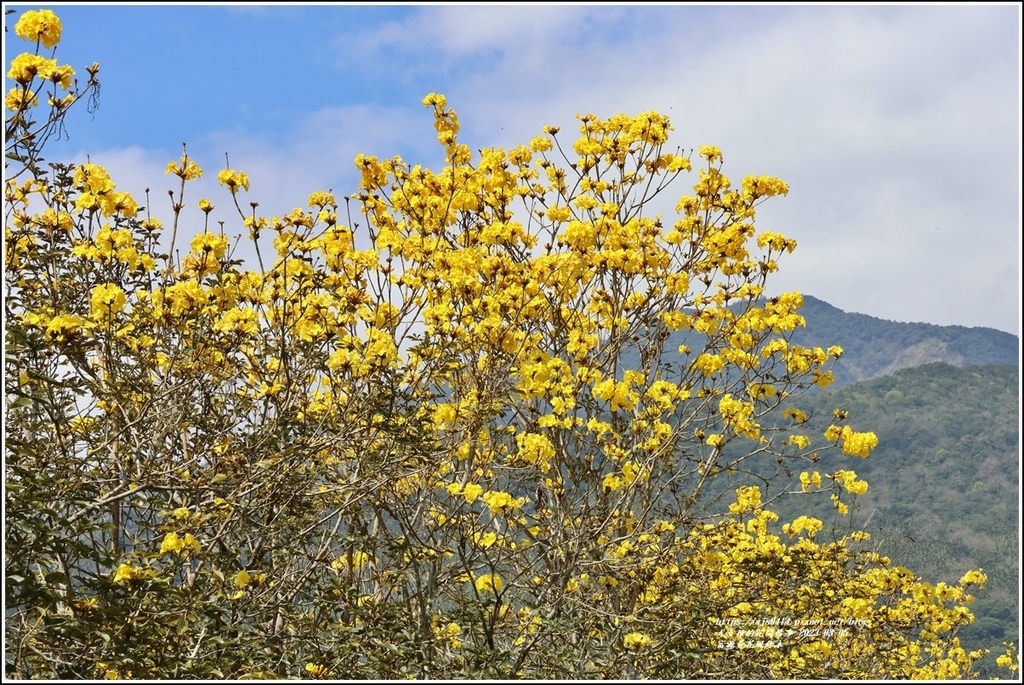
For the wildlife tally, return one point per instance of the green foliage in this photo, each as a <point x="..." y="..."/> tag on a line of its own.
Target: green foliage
<point x="943" y="495"/>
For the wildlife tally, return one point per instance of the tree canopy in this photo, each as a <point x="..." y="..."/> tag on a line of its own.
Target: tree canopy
<point x="443" y="440"/>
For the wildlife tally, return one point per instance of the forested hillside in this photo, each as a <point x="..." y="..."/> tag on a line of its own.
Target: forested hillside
<point x="874" y="347"/>
<point x="943" y="482"/>
<point x="944" y="403"/>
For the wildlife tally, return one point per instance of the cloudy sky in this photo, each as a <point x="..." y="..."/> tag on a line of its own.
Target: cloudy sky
<point x="896" y="127"/>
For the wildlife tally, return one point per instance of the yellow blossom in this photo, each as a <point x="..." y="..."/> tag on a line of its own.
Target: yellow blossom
<point x="803" y="523"/>
<point x="501" y="502"/>
<point x="106" y="300"/>
<point x="210" y="243"/>
<point x="233" y="180"/>
<point x="540" y="144"/>
<point x="318" y="671"/>
<point x="321" y="199"/>
<point x="711" y="153"/>
<point x="858" y="444"/>
<point x="39" y="25"/>
<point x="471" y="492"/>
<point x="184" y="168"/>
<point x="489" y="582"/>
<point x="800" y="441"/>
<point x="634" y="642"/>
<point x="20" y="98"/>
<point x="484" y="540"/>
<point x="747" y="499"/>
<point x="242" y="578"/>
<point x="973" y="577"/>
<point x="807" y="480"/>
<point x="126" y="573"/>
<point x="850" y="482"/>
<point x="26" y="67"/>
<point x="182" y="545"/>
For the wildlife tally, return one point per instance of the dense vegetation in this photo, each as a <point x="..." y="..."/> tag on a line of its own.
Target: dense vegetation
<point x="944" y="493"/>
<point x="446" y="440"/>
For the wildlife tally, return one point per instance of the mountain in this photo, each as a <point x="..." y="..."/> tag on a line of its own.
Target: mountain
<point x="875" y="347"/>
<point x="943" y="494"/>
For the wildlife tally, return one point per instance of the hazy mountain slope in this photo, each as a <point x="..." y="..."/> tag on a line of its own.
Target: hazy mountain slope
<point x="874" y="347"/>
<point x="943" y="495"/>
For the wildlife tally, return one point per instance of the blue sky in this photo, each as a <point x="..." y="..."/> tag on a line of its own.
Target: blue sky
<point x="896" y="126"/>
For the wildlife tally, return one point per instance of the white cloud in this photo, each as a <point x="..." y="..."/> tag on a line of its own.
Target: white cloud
<point x="897" y="128"/>
<point x="316" y="154"/>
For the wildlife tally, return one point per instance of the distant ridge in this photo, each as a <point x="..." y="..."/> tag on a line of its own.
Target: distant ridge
<point x="876" y="347"/>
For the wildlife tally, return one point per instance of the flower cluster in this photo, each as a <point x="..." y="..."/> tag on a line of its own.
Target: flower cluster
<point x="457" y="420"/>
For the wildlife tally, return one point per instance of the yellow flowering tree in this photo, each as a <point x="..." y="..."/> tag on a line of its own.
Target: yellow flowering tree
<point x="484" y="431"/>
